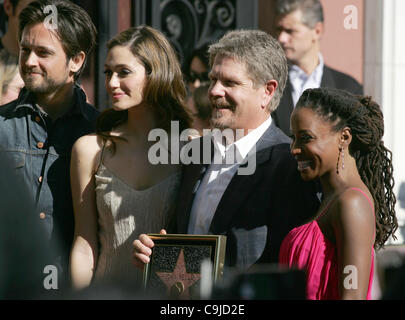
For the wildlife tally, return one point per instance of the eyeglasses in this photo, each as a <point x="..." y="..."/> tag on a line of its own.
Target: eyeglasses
<point x="193" y="76"/>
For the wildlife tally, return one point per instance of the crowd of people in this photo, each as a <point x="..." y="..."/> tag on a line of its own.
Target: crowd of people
<point x="319" y="198"/>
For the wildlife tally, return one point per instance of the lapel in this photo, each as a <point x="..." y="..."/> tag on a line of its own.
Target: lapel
<point x="241" y="186"/>
<point x="327" y="78"/>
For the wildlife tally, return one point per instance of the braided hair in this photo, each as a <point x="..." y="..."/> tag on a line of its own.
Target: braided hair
<point x="374" y="161"/>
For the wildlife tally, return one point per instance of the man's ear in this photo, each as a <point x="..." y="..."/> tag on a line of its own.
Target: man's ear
<point x="269" y="91"/>
<point x="8" y="8"/>
<point x="318" y="30"/>
<point x="77" y="61"/>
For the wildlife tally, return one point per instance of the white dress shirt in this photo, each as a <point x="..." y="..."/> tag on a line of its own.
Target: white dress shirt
<point x="300" y="81"/>
<point x="218" y="176"/>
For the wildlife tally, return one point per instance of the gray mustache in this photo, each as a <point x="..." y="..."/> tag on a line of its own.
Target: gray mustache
<point x="220" y="103"/>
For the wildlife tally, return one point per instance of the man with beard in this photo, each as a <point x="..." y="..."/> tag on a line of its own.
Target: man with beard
<point x="255" y="210"/>
<point x="38" y="129"/>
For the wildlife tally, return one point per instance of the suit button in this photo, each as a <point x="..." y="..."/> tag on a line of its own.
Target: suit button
<point x="40" y="145"/>
<point x="42" y="215"/>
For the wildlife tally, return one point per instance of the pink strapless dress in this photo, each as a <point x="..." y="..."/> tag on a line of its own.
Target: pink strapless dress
<point x="306" y="248"/>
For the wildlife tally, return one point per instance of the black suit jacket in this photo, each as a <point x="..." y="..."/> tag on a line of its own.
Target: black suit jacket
<point x="330" y="79"/>
<point x="256" y="211"/>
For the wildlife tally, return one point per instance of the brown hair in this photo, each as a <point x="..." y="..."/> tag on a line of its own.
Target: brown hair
<point x="164" y="90"/>
<point x="75" y="29"/>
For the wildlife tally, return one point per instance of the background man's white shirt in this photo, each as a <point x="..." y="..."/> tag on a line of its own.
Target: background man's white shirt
<point x="300" y="81"/>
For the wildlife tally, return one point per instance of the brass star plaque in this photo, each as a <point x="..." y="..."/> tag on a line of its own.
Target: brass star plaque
<point x="179" y="281"/>
<point x="175" y="265"/>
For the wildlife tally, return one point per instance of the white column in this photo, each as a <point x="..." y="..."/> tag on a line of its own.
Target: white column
<point x="384" y="79"/>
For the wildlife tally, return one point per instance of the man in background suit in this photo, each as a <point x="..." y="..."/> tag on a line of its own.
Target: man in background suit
<point x="299" y="26"/>
<point x="256" y="208"/>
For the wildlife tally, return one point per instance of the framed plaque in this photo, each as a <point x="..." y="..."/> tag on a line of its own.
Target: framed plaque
<point x="176" y="262"/>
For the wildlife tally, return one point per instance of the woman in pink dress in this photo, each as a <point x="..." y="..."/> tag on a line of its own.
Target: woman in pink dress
<point x="337" y="138"/>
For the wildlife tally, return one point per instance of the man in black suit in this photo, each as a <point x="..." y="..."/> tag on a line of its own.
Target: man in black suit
<point x="299" y="26"/>
<point x="256" y="199"/>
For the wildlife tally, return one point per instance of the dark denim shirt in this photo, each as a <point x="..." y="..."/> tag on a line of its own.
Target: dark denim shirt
<point x="39" y="151"/>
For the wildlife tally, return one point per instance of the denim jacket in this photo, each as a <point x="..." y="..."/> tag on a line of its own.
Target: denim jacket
<point x="39" y="151"/>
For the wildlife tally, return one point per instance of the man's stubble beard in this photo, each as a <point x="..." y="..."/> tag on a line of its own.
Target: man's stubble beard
<point x="46" y="86"/>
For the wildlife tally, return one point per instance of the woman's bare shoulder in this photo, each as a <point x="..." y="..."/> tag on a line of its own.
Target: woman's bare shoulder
<point x="356" y="197"/>
<point x="91" y="143"/>
<point x="88" y="147"/>
<point x="355" y="207"/>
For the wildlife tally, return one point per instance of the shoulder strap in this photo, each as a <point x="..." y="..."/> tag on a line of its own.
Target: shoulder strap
<point x="326" y="209"/>
<point x="101" y="155"/>
<point x="330" y="202"/>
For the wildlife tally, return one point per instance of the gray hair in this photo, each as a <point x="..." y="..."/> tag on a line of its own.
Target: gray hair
<point x="261" y="54"/>
<point x="312" y="11"/>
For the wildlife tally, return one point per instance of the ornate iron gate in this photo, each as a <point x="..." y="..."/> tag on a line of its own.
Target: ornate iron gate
<point x="188" y="24"/>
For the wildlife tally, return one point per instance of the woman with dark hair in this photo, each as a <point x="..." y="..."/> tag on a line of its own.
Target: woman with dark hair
<point x="200" y="108"/>
<point x="337" y="137"/>
<point x="198" y="104"/>
<point x="197" y="68"/>
<point x="117" y="192"/>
